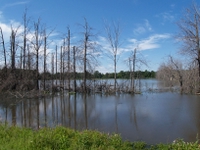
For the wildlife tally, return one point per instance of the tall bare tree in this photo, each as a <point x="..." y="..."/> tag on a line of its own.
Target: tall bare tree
<point x="4" y="49"/>
<point x="52" y="70"/>
<point x="26" y="21"/>
<point x="61" y="65"/>
<point x="89" y="51"/>
<point x="74" y="66"/>
<point x="45" y="57"/>
<point x="56" y="64"/>
<point x="189" y="35"/>
<point x="113" y="37"/>
<point x="68" y="58"/>
<point x="13" y="47"/>
<point x="37" y="41"/>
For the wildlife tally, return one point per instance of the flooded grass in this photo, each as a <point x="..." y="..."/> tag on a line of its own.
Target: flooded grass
<point x="12" y="137"/>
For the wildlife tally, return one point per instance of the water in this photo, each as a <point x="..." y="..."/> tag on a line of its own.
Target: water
<point x="152" y="117"/>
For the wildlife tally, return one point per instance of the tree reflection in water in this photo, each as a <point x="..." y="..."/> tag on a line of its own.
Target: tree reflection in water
<point x="163" y="116"/>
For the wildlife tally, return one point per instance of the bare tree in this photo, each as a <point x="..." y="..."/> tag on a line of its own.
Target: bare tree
<point x="189" y="35"/>
<point x="13" y="47"/>
<point x="74" y="66"/>
<point x="25" y="33"/>
<point x="179" y="70"/>
<point x="113" y="36"/>
<point x="4" y="49"/>
<point x="45" y="57"/>
<point x="132" y="71"/>
<point x="56" y="65"/>
<point x="37" y="41"/>
<point x="89" y="52"/>
<point x="173" y="73"/>
<point x="68" y="58"/>
<point x="61" y="65"/>
<point x="52" y="70"/>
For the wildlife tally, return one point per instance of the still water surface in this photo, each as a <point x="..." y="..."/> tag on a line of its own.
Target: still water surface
<point x="152" y="117"/>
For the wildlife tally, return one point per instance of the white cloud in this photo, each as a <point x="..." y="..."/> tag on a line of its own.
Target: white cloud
<point x="143" y="28"/>
<point x="151" y="42"/>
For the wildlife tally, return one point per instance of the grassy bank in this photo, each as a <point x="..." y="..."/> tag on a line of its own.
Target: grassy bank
<point x="63" y="138"/>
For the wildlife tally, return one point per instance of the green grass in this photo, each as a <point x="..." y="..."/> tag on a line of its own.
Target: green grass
<point x="17" y="138"/>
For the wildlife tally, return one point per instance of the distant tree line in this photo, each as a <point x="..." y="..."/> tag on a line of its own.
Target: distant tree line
<point x="125" y="75"/>
<point x="98" y="75"/>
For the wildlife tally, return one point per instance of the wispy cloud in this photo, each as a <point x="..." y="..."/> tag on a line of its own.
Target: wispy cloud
<point x="15" y="4"/>
<point x="151" y="42"/>
<point x="166" y="17"/>
<point x="142" y="28"/>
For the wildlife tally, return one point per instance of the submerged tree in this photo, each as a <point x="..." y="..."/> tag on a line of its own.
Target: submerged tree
<point x="37" y="41"/>
<point x="89" y="51"/>
<point x="113" y="37"/>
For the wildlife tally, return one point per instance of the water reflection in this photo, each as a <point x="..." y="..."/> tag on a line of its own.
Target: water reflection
<point x="151" y="117"/>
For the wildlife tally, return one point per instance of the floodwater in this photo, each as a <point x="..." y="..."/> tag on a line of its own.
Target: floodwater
<point x="152" y="117"/>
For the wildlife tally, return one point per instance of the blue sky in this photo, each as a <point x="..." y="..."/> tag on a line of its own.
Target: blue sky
<point x="149" y="25"/>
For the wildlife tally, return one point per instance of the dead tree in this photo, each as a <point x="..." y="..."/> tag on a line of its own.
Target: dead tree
<point x="37" y="41"/>
<point x="45" y="55"/>
<point x="61" y="65"/>
<point x="189" y="35"/>
<point x="4" y="49"/>
<point x="63" y="62"/>
<point x="89" y="52"/>
<point x="113" y="38"/>
<point x="52" y="70"/>
<point x="25" y="33"/>
<point x="178" y="68"/>
<point x="133" y="71"/>
<point x="13" y="48"/>
<point x="56" y="66"/>
<point x="74" y="66"/>
<point x="86" y="41"/>
<point x="68" y="59"/>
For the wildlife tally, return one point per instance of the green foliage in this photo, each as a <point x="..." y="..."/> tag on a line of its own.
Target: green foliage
<point x="139" y="145"/>
<point x="126" y="75"/>
<point x="65" y="138"/>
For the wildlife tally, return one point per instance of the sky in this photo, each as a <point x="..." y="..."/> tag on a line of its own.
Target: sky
<point x="147" y="25"/>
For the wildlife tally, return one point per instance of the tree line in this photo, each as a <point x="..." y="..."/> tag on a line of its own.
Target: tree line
<point x="98" y="75"/>
<point x="125" y="75"/>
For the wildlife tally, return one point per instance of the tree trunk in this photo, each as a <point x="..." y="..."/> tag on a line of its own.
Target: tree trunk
<point x="133" y="72"/>
<point x="115" y="72"/>
<point x="56" y="66"/>
<point x="85" y="63"/>
<point x="61" y="63"/>
<point x="44" y="80"/>
<point x="74" y="62"/>
<point x="68" y="60"/>
<point x="4" y="50"/>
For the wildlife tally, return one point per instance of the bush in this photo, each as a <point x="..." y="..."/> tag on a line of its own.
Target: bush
<point x="65" y="138"/>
